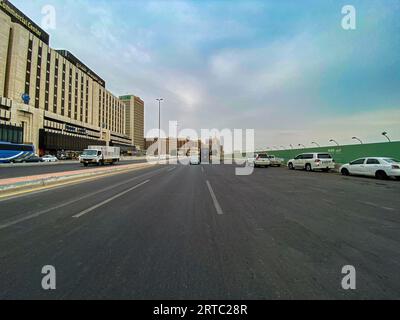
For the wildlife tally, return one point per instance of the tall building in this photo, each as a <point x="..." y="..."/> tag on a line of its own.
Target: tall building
<point x="134" y="119"/>
<point x="49" y="97"/>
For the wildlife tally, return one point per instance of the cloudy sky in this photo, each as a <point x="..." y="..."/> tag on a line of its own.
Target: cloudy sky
<point x="284" y="68"/>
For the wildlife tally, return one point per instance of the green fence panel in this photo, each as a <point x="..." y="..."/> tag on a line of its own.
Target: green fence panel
<point x="347" y="153"/>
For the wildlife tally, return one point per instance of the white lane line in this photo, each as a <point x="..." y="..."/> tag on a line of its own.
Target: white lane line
<point x="171" y="169"/>
<point x="62" y="205"/>
<point x="109" y="200"/>
<point x="376" y="205"/>
<point x="214" y="198"/>
<point x="202" y="169"/>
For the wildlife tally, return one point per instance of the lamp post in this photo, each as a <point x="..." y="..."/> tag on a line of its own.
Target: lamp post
<point x="359" y="140"/>
<point x="317" y="144"/>
<point x="301" y="145"/>
<point x="386" y="136"/>
<point x="334" y="142"/>
<point x="159" y="126"/>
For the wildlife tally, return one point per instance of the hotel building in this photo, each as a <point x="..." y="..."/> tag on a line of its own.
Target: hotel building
<point x="50" y="99"/>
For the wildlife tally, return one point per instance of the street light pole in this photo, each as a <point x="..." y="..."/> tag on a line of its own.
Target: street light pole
<point x="334" y="142"/>
<point x="159" y="126"/>
<point x="386" y="136"/>
<point x="359" y="140"/>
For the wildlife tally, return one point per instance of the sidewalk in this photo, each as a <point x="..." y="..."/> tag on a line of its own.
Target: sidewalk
<point x="11" y="184"/>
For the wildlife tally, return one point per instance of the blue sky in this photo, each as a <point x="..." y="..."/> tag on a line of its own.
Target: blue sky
<point x="284" y="68"/>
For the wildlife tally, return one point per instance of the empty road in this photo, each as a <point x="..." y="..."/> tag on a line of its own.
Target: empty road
<point x="201" y="232"/>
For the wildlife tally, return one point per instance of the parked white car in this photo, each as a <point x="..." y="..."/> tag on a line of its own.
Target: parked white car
<point x="262" y="160"/>
<point x="379" y="167"/>
<point x="49" y="158"/>
<point x="275" y="161"/>
<point x="312" y="161"/>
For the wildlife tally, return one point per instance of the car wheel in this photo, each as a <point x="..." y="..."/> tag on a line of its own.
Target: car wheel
<point x="345" y="172"/>
<point x="291" y="167"/>
<point x="308" y="167"/>
<point x="381" y="175"/>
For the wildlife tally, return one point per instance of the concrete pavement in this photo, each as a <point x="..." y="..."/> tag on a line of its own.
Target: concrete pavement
<point x="158" y="234"/>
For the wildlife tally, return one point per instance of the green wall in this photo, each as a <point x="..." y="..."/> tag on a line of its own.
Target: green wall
<point x="347" y="153"/>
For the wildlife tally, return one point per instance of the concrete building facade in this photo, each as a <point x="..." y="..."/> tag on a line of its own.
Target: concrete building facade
<point x="134" y="119"/>
<point x="54" y="98"/>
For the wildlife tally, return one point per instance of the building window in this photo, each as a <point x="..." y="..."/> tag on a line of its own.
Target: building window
<point x="81" y="102"/>
<point x="70" y="93"/>
<point x="87" y="102"/>
<point x="55" y="86"/>
<point x="46" y="102"/>
<point x="28" y="66"/>
<point x="76" y="96"/>
<point x="63" y="91"/>
<point x="38" y="75"/>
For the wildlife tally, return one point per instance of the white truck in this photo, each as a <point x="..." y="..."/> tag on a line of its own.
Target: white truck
<point x="100" y="155"/>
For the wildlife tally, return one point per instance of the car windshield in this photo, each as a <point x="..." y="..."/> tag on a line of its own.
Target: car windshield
<point x="89" y="152"/>
<point x="263" y="156"/>
<point x="391" y="160"/>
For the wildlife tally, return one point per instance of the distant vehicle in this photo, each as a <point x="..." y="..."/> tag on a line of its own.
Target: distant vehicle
<point x="61" y="156"/>
<point x="30" y="159"/>
<point x="34" y="158"/>
<point x="379" y="167"/>
<point x="100" y="155"/>
<point x="194" y="159"/>
<point x="262" y="160"/>
<point x="49" y="158"/>
<point x="277" y="162"/>
<point x="312" y="161"/>
<point x="11" y="152"/>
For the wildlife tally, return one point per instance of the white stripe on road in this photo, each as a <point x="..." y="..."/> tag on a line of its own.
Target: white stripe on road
<point x="62" y="205"/>
<point x="109" y="200"/>
<point x="376" y="205"/>
<point x="171" y="169"/>
<point x="202" y="169"/>
<point x="214" y="198"/>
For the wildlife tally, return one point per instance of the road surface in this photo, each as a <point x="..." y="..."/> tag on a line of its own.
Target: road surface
<point x="201" y="232"/>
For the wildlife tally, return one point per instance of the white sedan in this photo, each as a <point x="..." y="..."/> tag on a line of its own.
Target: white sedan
<point x="379" y="167"/>
<point x="49" y="158"/>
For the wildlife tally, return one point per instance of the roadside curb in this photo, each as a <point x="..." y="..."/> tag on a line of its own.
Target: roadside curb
<point x="56" y="179"/>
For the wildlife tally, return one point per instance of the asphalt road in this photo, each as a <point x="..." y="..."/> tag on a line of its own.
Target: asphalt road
<point x="18" y="170"/>
<point x="201" y="232"/>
